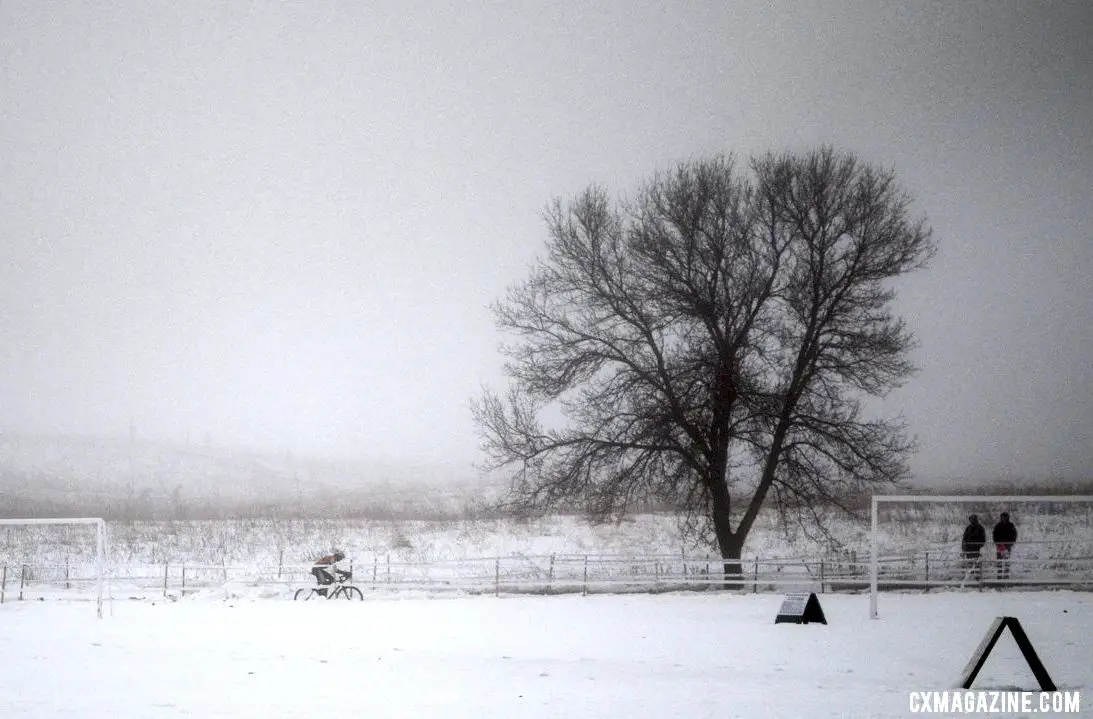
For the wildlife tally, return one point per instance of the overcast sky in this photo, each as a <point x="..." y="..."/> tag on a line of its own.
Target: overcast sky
<point x="279" y="225"/>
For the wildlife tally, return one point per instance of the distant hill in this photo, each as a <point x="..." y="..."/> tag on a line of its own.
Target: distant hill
<point x="66" y="475"/>
<point x="55" y="475"/>
<point x="1007" y="484"/>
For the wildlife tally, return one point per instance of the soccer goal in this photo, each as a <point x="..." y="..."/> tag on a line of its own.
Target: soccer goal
<point x="57" y="555"/>
<point x="915" y="542"/>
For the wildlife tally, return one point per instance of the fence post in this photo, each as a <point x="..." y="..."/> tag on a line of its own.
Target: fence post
<point x="584" y="587"/>
<point x="67" y="585"/>
<point x="183" y="580"/>
<point x="497" y="577"/>
<point x="927" y="588"/>
<point x="280" y="562"/>
<point x="550" y="577"/>
<point x="821" y="576"/>
<point x="375" y="567"/>
<point x="22" y="581"/>
<point x="755" y="580"/>
<point x="388" y="555"/>
<point x="165" y="565"/>
<point x="3" y="583"/>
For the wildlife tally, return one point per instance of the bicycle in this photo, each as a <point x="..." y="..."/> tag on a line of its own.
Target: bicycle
<point x="338" y="590"/>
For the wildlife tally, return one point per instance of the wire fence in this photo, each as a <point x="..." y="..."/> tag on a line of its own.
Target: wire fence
<point x="380" y="575"/>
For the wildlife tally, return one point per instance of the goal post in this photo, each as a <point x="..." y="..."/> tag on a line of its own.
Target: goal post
<point x="939" y="499"/>
<point x="100" y="546"/>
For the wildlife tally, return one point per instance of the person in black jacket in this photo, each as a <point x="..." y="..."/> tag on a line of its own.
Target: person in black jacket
<point x="975" y="536"/>
<point x="1004" y="536"/>
<point x="326" y="567"/>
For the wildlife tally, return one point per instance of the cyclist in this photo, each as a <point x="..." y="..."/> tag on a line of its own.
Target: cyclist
<point x="325" y="569"/>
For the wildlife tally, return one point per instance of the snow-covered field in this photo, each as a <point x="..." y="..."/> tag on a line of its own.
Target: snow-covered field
<point x="272" y="541"/>
<point x="671" y="655"/>
<point x="552" y="554"/>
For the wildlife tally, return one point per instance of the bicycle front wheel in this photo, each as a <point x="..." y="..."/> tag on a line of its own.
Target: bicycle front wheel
<point x="352" y="593"/>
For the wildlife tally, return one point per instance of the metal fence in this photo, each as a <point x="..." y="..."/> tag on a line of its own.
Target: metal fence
<point x="565" y="573"/>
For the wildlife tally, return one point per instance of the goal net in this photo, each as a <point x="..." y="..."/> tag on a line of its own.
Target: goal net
<point x="916" y="542"/>
<point x="42" y="558"/>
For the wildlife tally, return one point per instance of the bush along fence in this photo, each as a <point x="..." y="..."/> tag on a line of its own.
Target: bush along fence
<point x="562" y="573"/>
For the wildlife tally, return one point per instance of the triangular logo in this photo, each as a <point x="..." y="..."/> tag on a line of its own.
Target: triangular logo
<point x="984" y="649"/>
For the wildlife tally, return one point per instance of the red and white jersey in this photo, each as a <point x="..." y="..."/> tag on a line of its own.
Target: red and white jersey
<point x="329" y="562"/>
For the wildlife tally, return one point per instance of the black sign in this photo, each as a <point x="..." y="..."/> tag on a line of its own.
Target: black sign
<point x="984" y="649"/>
<point x="801" y="608"/>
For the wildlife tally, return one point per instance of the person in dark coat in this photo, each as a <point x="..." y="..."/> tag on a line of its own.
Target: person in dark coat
<point x="975" y="536"/>
<point x="326" y="567"/>
<point x="1004" y="536"/>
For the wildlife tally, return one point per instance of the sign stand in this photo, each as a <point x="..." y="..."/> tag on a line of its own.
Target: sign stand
<point x="984" y="649"/>
<point x="801" y="608"/>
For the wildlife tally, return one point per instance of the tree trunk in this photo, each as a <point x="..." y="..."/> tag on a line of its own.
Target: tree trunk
<point x="729" y="543"/>
<point x="734" y="570"/>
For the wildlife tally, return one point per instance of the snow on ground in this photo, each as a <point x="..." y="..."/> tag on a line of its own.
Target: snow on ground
<point x="690" y="655"/>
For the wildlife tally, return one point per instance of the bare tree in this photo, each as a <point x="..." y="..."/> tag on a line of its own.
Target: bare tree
<point x="707" y="344"/>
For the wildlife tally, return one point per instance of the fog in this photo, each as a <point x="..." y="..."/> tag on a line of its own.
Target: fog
<point x="279" y="226"/>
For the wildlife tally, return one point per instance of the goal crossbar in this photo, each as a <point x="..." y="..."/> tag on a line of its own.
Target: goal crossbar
<point x="100" y="545"/>
<point x="878" y="499"/>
